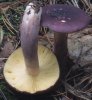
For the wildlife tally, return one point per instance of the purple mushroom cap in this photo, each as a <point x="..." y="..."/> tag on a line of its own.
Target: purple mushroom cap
<point x="64" y="18"/>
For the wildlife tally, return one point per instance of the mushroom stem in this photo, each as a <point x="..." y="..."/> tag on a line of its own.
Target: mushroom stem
<point x="29" y="38"/>
<point x="61" y="52"/>
<point x="60" y="48"/>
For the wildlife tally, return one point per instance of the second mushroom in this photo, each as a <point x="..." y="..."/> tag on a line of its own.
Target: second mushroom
<point x="63" y="19"/>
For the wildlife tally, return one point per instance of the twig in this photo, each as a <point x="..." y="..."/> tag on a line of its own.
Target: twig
<point x="48" y="38"/>
<point x="8" y="22"/>
<point x="7" y="26"/>
<point x="3" y="58"/>
<point x="4" y="97"/>
<point x="73" y="77"/>
<point x="81" y="94"/>
<point x="1" y="35"/>
<point x="75" y="3"/>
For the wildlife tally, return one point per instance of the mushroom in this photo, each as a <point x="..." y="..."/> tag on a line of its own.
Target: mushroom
<point x="33" y="68"/>
<point x="63" y="19"/>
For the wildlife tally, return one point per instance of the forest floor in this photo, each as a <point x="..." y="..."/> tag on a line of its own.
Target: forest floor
<point x="11" y="13"/>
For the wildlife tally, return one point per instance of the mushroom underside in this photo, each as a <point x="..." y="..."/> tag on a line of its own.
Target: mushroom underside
<point x="16" y="74"/>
